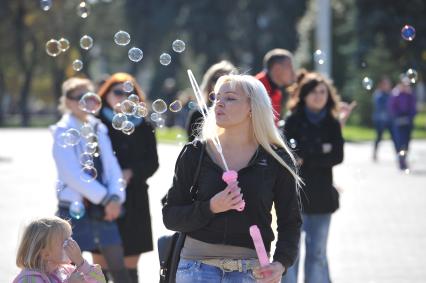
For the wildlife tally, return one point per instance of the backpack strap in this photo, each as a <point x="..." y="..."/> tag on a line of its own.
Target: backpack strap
<point x="194" y="188"/>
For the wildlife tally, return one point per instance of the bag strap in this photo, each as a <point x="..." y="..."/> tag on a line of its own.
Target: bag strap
<point x="194" y="188"/>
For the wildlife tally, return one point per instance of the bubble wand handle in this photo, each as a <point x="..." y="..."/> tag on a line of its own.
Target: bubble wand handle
<point x="230" y="176"/>
<point x="259" y="246"/>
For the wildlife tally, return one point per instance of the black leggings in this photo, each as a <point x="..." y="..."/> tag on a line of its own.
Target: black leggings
<point x="114" y="256"/>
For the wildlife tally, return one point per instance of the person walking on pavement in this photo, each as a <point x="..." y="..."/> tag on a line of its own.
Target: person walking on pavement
<point x="381" y="116"/>
<point x="314" y="132"/>
<point x="403" y="110"/>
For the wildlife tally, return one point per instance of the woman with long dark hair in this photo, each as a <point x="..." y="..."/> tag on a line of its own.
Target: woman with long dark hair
<point x="314" y="132"/>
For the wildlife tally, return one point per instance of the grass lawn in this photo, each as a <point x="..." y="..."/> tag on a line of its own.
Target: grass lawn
<point x="177" y="135"/>
<point x="358" y="133"/>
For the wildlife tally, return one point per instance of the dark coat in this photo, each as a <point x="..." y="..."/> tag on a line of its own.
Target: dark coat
<point x="138" y="152"/>
<point x="311" y="140"/>
<point x="263" y="182"/>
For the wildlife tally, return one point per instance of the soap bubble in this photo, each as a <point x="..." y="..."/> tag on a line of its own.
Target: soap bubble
<point x="77" y="65"/>
<point x="159" y="106"/>
<point x="412" y="75"/>
<point x="122" y="38"/>
<point x="72" y="137"/>
<point x="408" y="32"/>
<point x="192" y="105"/>
<point x="154" y="116"/>
<point x="86" y="42"/>
<point x="319" y="56"/>
<point x="86" y="130"/>
<point x="293" y="144"/>
<point x="133" y="98"/>
<point x="92" y="138"/>
<point x="53" y="48"/>
<point x="122" y="184"/>
<point x="178" y="46"/>
<point x="128" y="128"/>
<point x="90" y="147"/>
<point x="367" y="83"/>
<point x="83" y="10"/>
<point x="212" y="96"/>
<point x="60" y="140"/>
<point x="59" y="186"/>
<point x="128" y="107"/>
<point x="88" y="174"/>
<point x="77" y="210"/>
<point x="160" y="122"/>
<point x="118" y="120"/>
<point x="128" y="86"/>
<point x="86" y="159"/>
<point x="165" y="59"/>
<point x="64" y="44"/>
<point x="135" y="54"/>
<point x="175" y="106"/>
<point x="141" y="111"/>
<point x="46" y="5"/>
<point x="90" y="102"/>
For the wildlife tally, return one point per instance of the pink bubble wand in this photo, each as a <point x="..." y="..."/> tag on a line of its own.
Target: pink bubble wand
<point x="229" y="176"/>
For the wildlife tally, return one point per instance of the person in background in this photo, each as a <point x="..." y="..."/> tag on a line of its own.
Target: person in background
<point x="47" y="253"/>
<point x="402" y="107"/>
<point x="381" y="116"/>
<point x="138" y="158"/>
<point x="314" y="132"/>
<point x="210" y="78"/>
<point x="278" y="73"/>
<point x="101" y="193"/>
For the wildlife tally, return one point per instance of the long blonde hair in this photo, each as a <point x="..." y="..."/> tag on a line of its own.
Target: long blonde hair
<point x="39" y="235"/>
<point x="262" y="119"/>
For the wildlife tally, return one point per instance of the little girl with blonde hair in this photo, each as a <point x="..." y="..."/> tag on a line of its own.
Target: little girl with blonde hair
<point x="46" y="252"/>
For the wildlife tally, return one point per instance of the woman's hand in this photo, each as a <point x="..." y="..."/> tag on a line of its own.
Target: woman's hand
<point x="229" y="198"/>
<point x="112" y="210"/>
<point x="73" y="251"/>
<point x="127" y="175"/>
<point x="271" y="273"/>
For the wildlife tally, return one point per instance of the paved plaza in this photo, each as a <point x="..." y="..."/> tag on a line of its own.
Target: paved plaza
<point x="377" y="236"/>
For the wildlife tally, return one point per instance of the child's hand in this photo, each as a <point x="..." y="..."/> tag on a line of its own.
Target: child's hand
<point x="73" y="251"/>
<point x="76" y="277"/>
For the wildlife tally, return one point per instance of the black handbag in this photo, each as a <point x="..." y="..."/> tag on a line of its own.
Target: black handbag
<point x="170" y="246"/>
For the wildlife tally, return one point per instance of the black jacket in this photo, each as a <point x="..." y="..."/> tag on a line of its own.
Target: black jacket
<point x="263" y="182"/>
<point x="311" y="141"/>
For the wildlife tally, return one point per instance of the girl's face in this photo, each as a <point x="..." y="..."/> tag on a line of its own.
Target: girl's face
<point x="116" y="95"/>
<point x="232" y="106"/>
<point x="55" y="254"/>
<point x="317" y="98"/>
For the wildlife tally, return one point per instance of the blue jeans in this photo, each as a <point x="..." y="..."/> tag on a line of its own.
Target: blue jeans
<point x="193" y="271"/>
<point x="316" y="228"/>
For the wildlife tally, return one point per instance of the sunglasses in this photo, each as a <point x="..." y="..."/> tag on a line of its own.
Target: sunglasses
<point x="119" y="92"/>
<point x="75" y="97"/>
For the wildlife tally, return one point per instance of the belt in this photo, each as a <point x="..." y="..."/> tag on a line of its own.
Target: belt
<point x="230" y="265"/>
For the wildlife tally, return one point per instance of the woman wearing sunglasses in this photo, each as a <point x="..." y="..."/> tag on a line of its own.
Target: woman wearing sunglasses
<point x="137" y="155"/>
